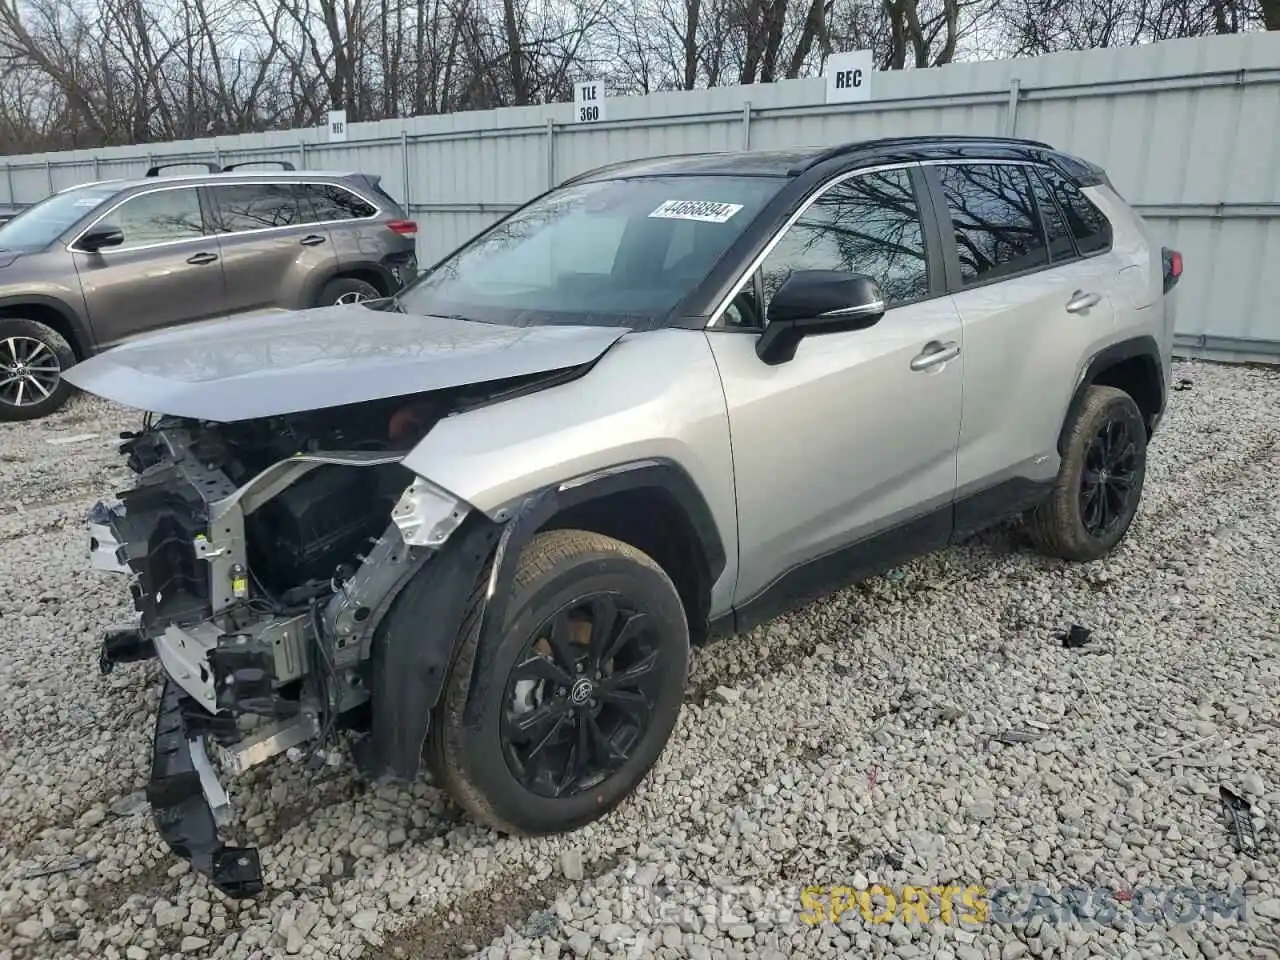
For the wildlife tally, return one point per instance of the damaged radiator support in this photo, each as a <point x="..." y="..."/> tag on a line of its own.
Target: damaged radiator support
<point x="249" y="675"/>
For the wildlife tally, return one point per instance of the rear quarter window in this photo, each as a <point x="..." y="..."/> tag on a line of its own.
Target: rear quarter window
<point x="329" y="201"/>
<point x="1088" y="225"/>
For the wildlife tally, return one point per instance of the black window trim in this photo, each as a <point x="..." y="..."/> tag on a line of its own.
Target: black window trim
<point x="942" y="215"/>
<point x="1040" y="171"/>
<point x="935" y="251"/>
<point x="1034" y="174"/>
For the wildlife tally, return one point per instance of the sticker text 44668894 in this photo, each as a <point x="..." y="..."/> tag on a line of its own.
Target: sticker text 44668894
<point x="707" y="211"/>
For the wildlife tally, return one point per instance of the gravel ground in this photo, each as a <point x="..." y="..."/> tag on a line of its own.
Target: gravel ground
<point x="852" y="744"/>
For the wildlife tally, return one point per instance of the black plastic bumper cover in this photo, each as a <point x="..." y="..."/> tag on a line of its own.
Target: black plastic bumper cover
<point x="182" y="814"/>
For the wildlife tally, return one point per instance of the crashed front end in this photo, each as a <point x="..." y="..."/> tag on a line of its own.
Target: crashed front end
<point x="262" y="557"/>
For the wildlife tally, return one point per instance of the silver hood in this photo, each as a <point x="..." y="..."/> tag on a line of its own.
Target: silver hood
<point x="271" y="364"/>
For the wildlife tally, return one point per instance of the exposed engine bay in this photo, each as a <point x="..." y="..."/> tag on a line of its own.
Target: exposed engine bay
<point x="262" y="556"/>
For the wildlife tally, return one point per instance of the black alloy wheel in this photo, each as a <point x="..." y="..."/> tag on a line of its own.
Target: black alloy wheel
<point x="1107" y="483"/>
<point x="1098" y="489"/>
<point x="551" y="721"/>
<point x="580" y="696"/>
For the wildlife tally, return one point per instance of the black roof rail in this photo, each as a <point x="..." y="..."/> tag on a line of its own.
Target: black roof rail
<point x="155" y="171"/>
<point x="283" y="164"/>
<point x="924" y="140"/>
<point x="635" y="161"/>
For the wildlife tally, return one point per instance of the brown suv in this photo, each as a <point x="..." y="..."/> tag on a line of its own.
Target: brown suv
<point x="94" y="265"/>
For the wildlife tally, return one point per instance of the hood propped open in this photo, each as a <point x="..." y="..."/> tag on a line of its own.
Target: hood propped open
<point x="273" y="364"/>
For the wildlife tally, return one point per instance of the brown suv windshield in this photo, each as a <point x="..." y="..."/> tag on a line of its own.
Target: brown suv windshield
<point x="38" y="226"/>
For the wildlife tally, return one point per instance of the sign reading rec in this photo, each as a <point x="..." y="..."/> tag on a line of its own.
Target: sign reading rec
<point x="848" y="76"/>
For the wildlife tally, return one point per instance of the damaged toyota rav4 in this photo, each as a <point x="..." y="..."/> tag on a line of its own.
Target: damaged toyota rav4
<point x="476" y="526"/>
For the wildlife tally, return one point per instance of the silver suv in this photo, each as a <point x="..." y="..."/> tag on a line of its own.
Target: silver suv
<point x="666" y="400"/>
<point x="94" y="265"/>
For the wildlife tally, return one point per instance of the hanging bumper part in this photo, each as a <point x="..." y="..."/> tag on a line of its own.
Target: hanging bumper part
<point x="187" y="802"/>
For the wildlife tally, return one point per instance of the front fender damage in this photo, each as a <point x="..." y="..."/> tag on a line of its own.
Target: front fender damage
<point x="465" y="586"/>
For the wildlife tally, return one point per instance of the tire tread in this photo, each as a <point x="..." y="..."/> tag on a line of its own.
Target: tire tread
<point x="444" y="742"/>
<point x="1052" y="525"/>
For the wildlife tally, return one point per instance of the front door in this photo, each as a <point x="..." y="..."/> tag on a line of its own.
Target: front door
<point x="167" y="271"/>
<point x="856" y="435"/>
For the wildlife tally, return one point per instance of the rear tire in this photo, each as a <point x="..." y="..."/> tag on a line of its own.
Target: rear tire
<point x="33" y="357"/>
<point x="1099" y="484"/>
<point x="557" y="682"/>
<point x="343" y="290"/>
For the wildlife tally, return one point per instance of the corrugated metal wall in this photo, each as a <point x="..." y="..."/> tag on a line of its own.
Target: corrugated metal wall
<point x="1188" y="129"/>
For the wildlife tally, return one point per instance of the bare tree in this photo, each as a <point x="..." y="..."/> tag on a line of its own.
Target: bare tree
<point x="95" y="72"/>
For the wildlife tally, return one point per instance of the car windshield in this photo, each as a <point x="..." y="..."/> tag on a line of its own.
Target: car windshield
<point x="38" y="226"/>
<point x="604" y="253"/>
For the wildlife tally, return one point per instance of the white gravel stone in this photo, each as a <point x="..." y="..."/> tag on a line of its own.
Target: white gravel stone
<point x="851" y="749"/>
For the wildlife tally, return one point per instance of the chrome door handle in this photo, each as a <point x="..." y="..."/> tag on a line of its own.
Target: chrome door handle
<point x="1082" y="301"/>
<point x="202" y="258"/>
<point x="312" y="241"/>
<point x="934" y="354"/>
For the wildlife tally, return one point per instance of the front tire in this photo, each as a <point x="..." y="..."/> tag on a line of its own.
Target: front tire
<point x="33" y="357"/>
<point x="583" y="691"/>
<point x="1099" y="484"/>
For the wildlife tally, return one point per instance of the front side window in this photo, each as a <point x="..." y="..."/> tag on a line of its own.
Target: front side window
<point x="325" y="202"/>
<point x="607" y="253"/>
<point x="1088" y="224"/>
<point x="160" y="217"/>
<point x="38" y="226"/>
<point x="256" y="206"/>
<point x="868" y="224"/>
<point x="994" y="219"/>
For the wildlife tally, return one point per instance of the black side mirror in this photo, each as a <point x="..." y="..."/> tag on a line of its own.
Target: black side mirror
<point x="811" y="302"/>
<point x="100" y="237"/>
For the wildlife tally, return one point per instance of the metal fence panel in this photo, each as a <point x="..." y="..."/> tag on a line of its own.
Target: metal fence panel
<point x="1187" y="130"/>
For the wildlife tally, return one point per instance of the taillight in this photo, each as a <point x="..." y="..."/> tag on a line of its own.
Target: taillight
<point x="406" y="228"/>
<point x="1172" y="267"/>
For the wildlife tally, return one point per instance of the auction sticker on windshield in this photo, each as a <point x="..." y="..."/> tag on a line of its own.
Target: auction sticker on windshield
<point x="706" y="211"/>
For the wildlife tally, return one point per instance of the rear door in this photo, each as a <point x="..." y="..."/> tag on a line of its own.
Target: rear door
<point x="1030" y="305"/>
<point x="372" y="239"/>
<point x="271" y="256"/>
<point x="166" y="272"/>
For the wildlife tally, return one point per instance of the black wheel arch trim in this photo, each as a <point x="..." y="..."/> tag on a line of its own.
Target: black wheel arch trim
<point x="408" y="669"/>
<point x="408" y="678"/>
<point x="1144" y="347"/>
<point x="82" y="341"/>
<point x="536" y="511"/>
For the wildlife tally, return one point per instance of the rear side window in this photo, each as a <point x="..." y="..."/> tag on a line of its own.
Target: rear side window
<point x="1087" y="223"/>
<point x="1055" y="225"/>
<point x="997" y="233"/>
<point x="256" y="206"/>
<point x="328" y="201"/>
